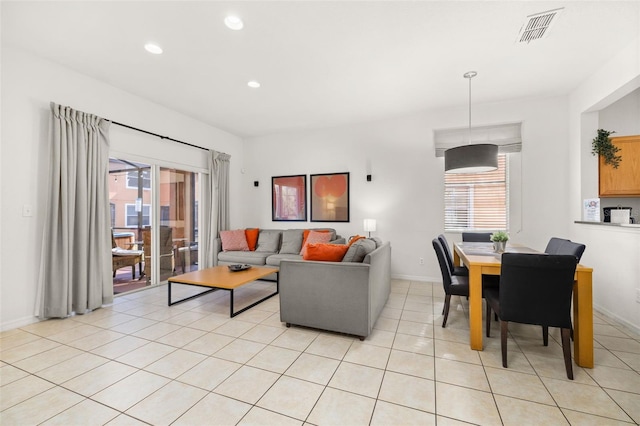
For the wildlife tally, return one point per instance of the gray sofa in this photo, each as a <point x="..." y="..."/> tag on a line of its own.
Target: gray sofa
<point x="274" y="246"/>
<point x="345" y="297"/>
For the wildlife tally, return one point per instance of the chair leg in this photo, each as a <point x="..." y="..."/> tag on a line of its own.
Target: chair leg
<point x="571" y="331"/>
<point x="566" y="350"/>
<point x="445" y="310"/>
<point x="488" y="319"/>
<point x="504" y="328"/>
<point x="545" y="335"/>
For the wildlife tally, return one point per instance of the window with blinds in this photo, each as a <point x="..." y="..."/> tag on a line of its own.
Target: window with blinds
<point x="477" y="201"/>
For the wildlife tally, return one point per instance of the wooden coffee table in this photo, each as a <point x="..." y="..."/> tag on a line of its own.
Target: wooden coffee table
<point x="221" y="278"/>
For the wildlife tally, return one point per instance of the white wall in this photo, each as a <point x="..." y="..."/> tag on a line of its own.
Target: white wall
<point x="406" y="193"/>
<point x="28" y="85"/>
<point x="613" y="253"/>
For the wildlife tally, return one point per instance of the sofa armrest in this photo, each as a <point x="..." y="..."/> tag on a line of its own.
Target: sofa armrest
<point x="379" y="277"/>
<point x="217" y="248"/>
<point x="326" y="295"/>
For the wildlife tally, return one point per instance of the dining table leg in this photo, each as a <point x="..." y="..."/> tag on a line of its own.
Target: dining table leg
<point x="475" y="307"/>
<point x="583" y="319"/>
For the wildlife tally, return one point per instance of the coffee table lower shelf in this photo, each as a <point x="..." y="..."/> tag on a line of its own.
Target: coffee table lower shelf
<point x="222" y="280"/>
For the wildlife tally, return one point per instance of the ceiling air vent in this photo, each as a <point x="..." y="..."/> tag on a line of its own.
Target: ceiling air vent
<point x="537" y="26"/>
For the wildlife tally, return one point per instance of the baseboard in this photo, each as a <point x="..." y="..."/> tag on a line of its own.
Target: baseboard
<point x="21" y="322"/>
<point x="421" y="278"/>
<point x="633" y="327"/>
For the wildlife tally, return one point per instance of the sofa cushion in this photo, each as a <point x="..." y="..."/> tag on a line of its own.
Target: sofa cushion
<point x="358" y="250"/>
<point x="329" y="230"/>
<point x="250" y="257"/>
<point x="291" y="241"/>
<point x="378" y="241"/>
<point x="325" y="252"/>
<point x="275" y="259"/>
<point x="235" y="240"/>
<point x="316" y="237"/>
<point x="252" y="237"/>
<point x="268" y="241"/>
<point x="352" y="240"/>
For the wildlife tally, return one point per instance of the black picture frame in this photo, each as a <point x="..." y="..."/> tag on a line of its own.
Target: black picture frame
<point x="329" y="195"/>
<point x="289" y="198"/>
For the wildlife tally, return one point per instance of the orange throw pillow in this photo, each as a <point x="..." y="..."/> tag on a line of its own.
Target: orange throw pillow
<point x="325" y="252"/>
<point x="315" y="237"/>
<point x="252" y="237"/>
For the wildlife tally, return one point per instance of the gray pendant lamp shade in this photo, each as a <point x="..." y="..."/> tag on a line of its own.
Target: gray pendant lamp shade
<point x="476" y="158"/>
<point x="471" y="158"/>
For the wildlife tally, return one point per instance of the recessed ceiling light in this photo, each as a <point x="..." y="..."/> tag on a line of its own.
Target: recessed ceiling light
<point x="153" y="48"/>
<point x="253" y="84"/>
<point x="233" y="22"/>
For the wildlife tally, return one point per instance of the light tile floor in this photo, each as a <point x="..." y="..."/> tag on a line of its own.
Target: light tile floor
<point x="141" y="362"/>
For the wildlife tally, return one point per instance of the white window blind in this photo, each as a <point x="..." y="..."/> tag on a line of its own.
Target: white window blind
<point x="477" y="201"/>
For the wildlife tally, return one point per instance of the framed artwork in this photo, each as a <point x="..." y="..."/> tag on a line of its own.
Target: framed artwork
<point x="330" y="197"/>
<point x="289" y="198"/>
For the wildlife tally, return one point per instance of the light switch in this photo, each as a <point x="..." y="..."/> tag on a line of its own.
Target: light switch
<point x="27" y="210"/>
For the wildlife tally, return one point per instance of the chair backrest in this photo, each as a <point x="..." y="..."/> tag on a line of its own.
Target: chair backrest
<point x="444" y="266"/>
<point x="537" y="288"/>
<point x="476" y="237"/>
<point x="554" y="244"/>
<point x="447" y="252"/>
<point x="562" y="246"/>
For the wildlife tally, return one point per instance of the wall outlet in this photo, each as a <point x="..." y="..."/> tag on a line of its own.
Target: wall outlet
<point x="422" y="262"/>
<point x="27" y="210"/>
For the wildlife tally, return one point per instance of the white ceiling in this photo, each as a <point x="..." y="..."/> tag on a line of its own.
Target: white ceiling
<point x="321" y="63"/>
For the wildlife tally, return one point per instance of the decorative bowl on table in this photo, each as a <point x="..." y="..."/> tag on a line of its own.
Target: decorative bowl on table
<point x="238" y="267"/>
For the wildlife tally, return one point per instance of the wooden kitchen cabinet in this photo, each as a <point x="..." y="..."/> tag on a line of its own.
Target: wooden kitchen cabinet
<point x="625" y="180"/>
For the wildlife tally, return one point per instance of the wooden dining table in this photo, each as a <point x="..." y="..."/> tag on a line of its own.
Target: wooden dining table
<point x="482" y="260"/>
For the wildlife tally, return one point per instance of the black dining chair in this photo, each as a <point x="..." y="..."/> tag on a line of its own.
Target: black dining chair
<point x="562" y="246"/>
<point x="476" y="237"/>
<point x="455" y="270"/>
<point x="534" y="289"/>
<point x="454" y="285"/>
<point x="482" y="237"/>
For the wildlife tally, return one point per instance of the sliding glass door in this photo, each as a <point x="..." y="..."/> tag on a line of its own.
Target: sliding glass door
<point x="154" y="220"/>
<point x="179" y="191"/>
<point x="130" y="193"/>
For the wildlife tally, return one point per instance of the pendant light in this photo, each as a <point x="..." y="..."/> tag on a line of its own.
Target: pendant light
<point x="471" y="158"/>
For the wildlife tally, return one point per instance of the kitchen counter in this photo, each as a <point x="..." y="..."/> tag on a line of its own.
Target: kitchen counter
<point x="615" y="225"/>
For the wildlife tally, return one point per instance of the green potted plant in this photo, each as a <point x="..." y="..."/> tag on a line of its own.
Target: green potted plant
<point x="499" y="239"/>
<point x="602" y="145"/>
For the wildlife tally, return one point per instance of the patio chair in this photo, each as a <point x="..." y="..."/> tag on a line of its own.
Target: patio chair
<point x="121" y="258"/>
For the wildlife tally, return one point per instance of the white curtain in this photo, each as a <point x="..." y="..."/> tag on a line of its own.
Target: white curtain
<point x="216" y="211"/>
<point x="75" y="269"/>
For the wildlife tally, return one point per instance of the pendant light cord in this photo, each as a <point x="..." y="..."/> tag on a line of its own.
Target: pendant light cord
<point x="469" y="141"/>
<point x="469" y="75"/>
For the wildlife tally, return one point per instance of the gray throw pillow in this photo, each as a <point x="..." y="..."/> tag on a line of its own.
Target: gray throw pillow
<point x="291" y="241"/>
<point x="359" y="250"/>
<point x="268" y="241"/>
<point x="378" y="241"/>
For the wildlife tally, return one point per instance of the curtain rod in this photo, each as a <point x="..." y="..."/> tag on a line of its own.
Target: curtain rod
<point x="157" y="135"/>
